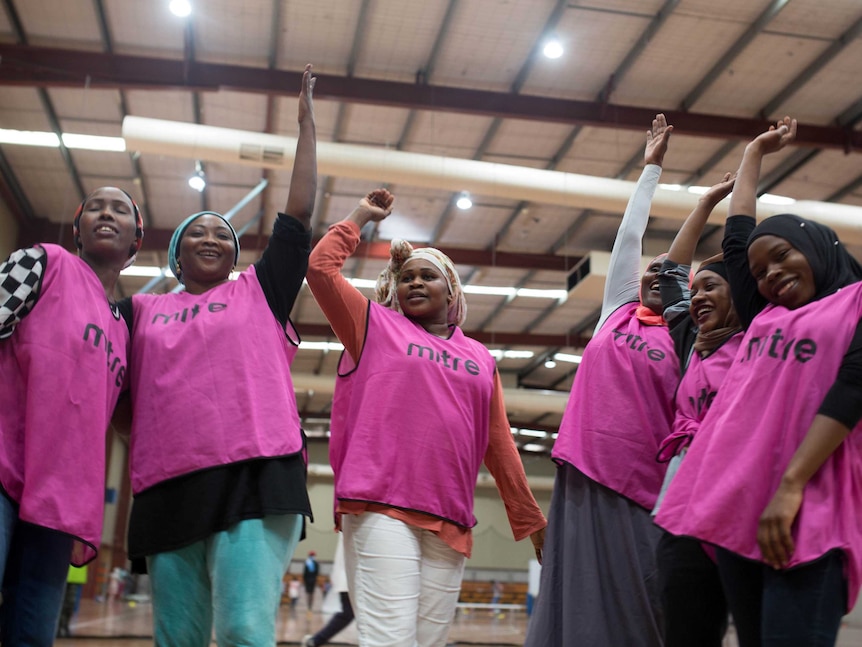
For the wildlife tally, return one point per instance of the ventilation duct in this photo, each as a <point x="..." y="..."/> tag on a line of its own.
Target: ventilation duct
<point x="225" y="145"/>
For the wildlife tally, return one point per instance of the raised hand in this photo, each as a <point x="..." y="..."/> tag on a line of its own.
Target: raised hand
<point x="777" y="137"/>
<point x="303" y="178"/>
<point x="657" y="139"/>
<point x="306" y="105"/>
<point x="743" y="201"/>
<point x="718" y="192"/>
<point x="376" y="205"/>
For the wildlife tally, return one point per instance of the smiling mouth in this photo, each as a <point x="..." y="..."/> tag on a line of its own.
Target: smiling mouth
<point x="105" y="229"/>
<point x="702" y="313"/>
<point x="784" y="287"/>
<point x="654" y="286"/>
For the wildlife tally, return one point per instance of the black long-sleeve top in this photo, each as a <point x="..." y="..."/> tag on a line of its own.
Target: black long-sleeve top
<point x="191" y="507"/>
<point x="843" y="402"/>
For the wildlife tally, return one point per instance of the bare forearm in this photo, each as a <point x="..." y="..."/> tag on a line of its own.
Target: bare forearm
<point x="360" y="216"/>
<point x="303" y="179"/>
<point x="682" y="249"/>
<point x="743" y="200"/>
<point x="824" y="436"/>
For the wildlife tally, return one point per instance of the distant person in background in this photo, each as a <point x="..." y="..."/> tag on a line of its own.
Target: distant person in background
<point x="340" y="620"/>
<point x="72" y="600"/>
<point x="309" y="576"/>
<point x="496" y="594"/>
<point x="293" y="588"/>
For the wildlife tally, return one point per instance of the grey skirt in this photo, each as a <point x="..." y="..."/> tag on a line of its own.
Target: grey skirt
<point x="599" y="583"/>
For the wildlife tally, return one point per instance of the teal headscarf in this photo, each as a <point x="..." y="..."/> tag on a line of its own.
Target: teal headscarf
<point x="174" y="246"/>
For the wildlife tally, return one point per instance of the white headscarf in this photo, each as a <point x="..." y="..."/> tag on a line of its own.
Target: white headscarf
<point x="400" y="251"/>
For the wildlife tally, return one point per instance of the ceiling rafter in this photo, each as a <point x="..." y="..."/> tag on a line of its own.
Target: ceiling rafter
<point x="269" y="117"/>
<point x="108" y="47"/>
<point x="13" y="194"/>
<point x="341" y="115"/>
<point x="735" y="50"/>
<point x="800" y="158"/>
<point x="188" y="63"/>
<point x="47" y="67"/>
<point x="47" y="104"/>
<point x="604" y="96"/>
<point x="514" y="90"/>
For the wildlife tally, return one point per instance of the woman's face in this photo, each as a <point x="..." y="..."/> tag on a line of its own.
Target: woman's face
<point x="422" y="292"/>
<point x="650" y="294"/>
<point x="710" y="300"/>
<point x="107" y="225"/>
<point x="207" y="251"/>
<point x="783" y="274"/>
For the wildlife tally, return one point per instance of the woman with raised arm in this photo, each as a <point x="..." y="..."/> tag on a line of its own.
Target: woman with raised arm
<point x="598" y="584"/>
<point x="418" y="407"/>
<point x="63" y="360"/>
<point x="772" y="477"/>
<point x="216" y="457"/>
<point x="706" y="334"/>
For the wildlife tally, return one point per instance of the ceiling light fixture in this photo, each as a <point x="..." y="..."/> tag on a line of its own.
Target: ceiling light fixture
<point x="464" y="202"/>
<point x="566" y="357"/>
<point x="499" y="354"/>
<point x="550" y="364"/>
<point x="180" y="8"/>
<point x="70" y="140"/>
<point x="198" y="181"/>
<point x="771" y="198"/>
<point x="559" y="295"/>
<point x="553" y="48"/>
<point x="534" y="447"/>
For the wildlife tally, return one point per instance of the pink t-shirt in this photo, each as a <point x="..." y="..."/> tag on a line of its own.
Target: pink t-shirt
<point x="63" y="370"/>
<point x="621" y="407"/>
<point x="424" y="458"/>
<point x="786" y="363"/>
<point x="210" y="380"/>
<point x="695" y="393"/>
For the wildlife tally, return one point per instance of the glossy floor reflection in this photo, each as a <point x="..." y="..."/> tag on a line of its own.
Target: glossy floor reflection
<point x="129" y="624"/>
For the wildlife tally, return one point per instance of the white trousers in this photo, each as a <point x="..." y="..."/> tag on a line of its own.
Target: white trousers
<point x="404" y="582"/>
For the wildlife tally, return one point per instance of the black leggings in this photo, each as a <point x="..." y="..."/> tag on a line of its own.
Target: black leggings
<point x="695" y="611"/>
<point x="336" y="623"/>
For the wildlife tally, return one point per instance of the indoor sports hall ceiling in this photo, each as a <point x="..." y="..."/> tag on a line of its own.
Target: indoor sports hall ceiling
<point x="439" y="81"/>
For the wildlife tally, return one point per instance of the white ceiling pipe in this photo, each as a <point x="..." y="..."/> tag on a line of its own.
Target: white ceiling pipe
<point x="522" y="401"/>
<point x="191" y="141"/>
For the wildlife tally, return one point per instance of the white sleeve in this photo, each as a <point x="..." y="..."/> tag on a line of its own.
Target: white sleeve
<point x="622" y="284"/>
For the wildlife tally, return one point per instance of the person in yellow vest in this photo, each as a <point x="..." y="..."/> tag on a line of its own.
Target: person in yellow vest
<point x="72" y="600"/>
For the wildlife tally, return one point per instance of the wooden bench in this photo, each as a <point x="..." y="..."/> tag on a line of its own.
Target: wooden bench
<point x="477" y="596"/>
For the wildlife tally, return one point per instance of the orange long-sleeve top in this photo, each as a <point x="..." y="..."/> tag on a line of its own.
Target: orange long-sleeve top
<point x="346" y="308"/>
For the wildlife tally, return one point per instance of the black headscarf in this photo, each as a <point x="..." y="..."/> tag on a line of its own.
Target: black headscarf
<point x="706" y="342"/>
<point x="831" y="264"/>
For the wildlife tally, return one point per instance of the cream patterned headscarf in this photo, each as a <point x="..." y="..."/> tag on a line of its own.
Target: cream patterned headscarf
<point x="400" y="252"/>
